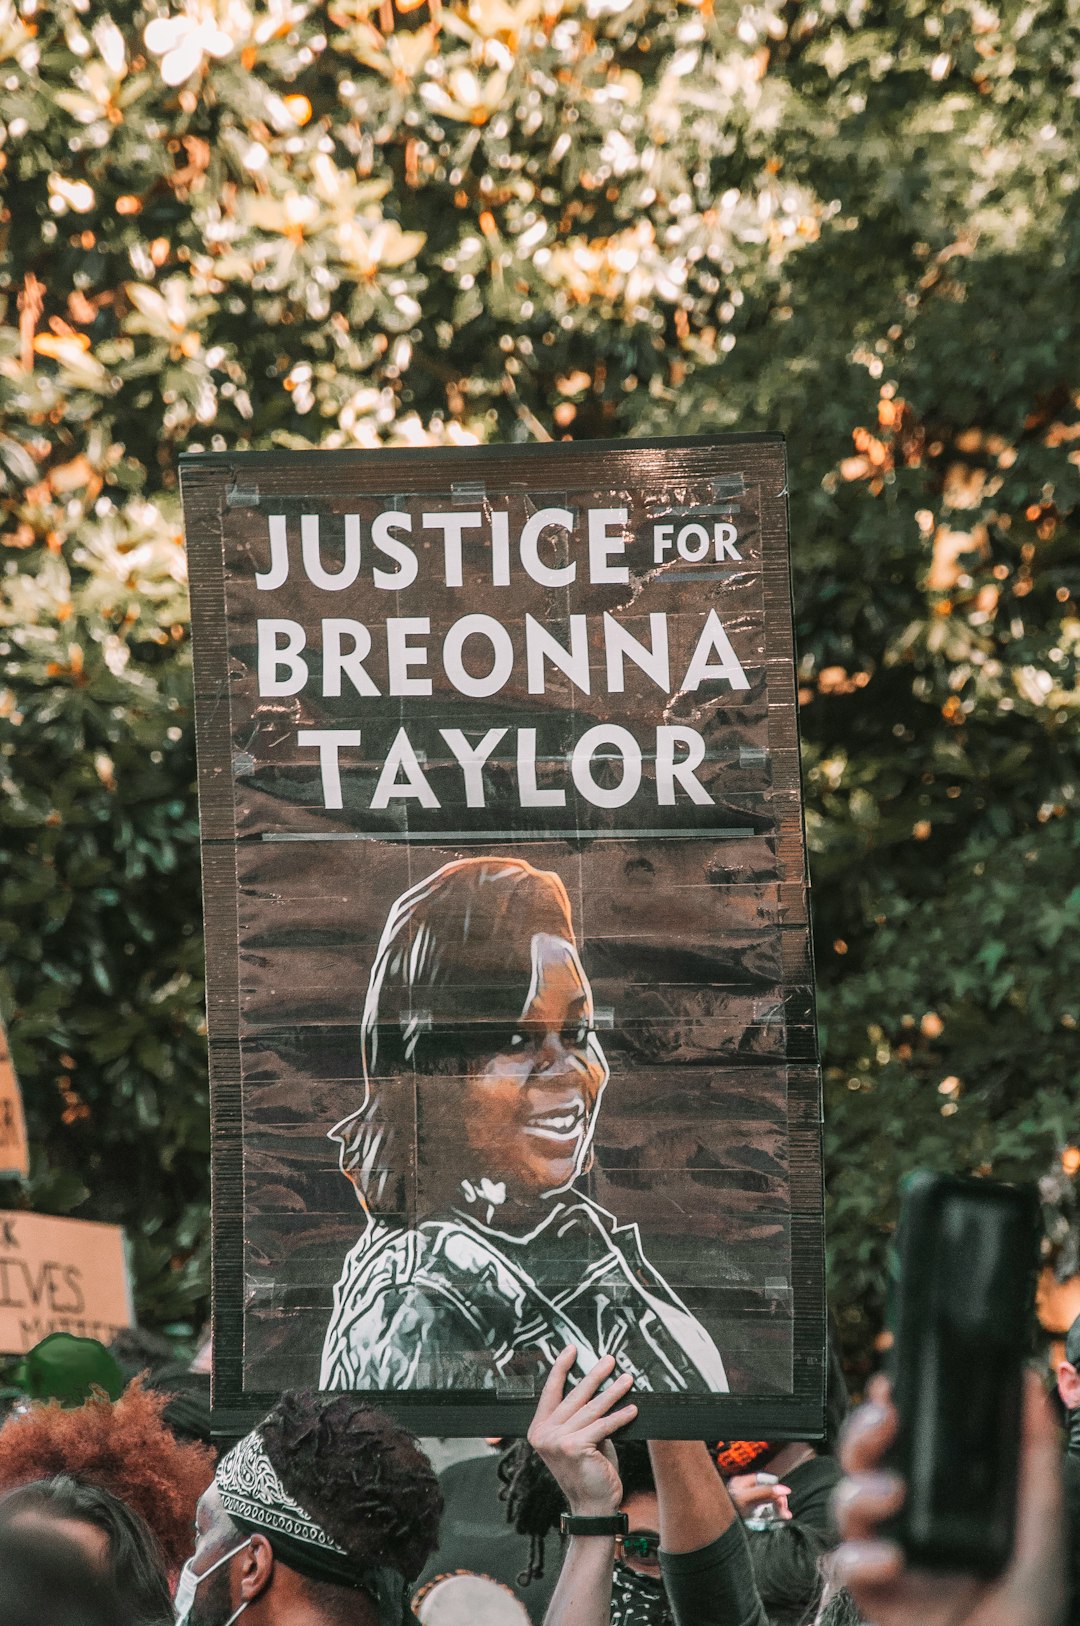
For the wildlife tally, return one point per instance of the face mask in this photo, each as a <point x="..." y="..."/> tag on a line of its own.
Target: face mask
<point x="638" y="1600"/>
<point x="189" y="1582"/>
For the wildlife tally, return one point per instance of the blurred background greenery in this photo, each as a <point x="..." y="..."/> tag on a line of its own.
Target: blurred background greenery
<point x="231" y="225"/>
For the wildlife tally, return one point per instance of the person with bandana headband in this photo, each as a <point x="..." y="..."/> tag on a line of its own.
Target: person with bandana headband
<point x="481" y="1256"/>
<point x="321" y="1516"/>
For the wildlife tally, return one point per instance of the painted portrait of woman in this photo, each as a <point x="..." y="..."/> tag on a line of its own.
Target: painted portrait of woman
<point x="481" y="1256"/>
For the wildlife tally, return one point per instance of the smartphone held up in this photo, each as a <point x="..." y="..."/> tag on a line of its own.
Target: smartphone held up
<point x="962" y="1314"/>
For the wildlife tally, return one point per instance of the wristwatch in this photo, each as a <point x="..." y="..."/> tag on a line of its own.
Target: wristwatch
<point x="600" y="1524"/>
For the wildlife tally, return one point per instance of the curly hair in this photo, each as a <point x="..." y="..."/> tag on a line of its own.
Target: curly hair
<point x="122" y="1446"/>
<point x="362" y="1476"/>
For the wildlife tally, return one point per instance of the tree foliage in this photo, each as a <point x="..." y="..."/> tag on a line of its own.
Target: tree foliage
<point x="340" y="224"/>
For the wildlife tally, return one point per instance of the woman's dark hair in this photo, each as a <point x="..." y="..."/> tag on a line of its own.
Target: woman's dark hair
<point x="467" y="927"/>
<point x="46" y="1580"/>
<point x="787" y="1568"/>
<point x="136" y="1563"/>
<point x="841" y="1611"/>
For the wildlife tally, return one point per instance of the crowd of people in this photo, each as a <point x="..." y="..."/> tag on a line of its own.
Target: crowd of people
<point x="121" y="1509"/>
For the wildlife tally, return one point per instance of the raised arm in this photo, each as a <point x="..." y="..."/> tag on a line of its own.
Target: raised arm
<point x="703" y="1549"/>
<point x="572" y="1435"/>
<point x="695" y="1508"/>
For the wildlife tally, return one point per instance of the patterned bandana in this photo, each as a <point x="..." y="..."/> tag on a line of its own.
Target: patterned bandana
<point x="250" y="1489"/>
<point x="638" y="1600"/>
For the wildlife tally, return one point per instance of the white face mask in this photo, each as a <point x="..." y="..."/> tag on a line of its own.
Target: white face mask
<point x="189" y="1582"/>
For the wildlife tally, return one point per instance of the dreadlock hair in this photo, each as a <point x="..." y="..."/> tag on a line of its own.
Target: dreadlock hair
<point x="360" y="1475"/>
<point x="119" y="1446"/>
<point x="136" y="1564"/>
<point x="534" y="1502"/>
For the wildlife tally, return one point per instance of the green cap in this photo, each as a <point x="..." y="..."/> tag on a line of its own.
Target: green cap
<point x="65" y="1368"/>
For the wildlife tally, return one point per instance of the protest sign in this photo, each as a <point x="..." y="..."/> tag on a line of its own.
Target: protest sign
<point x="14" y="1148"/>
<point x="511" y="1011"/>
<point x="60" y="1275"/>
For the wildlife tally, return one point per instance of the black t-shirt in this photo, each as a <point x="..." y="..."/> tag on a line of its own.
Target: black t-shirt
<point x="811" y="1485"/>
<point x="475" y="1536"/>
<point x="714" y="1586"/>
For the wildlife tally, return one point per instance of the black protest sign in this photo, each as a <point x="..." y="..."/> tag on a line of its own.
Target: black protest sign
<point x="511" y="1007"/>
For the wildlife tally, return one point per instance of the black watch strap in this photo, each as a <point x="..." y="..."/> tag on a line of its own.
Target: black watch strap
<point x="600" y="1524"/>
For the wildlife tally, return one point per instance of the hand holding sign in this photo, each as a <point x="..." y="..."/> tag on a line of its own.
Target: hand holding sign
<point x="573" y="1433"/>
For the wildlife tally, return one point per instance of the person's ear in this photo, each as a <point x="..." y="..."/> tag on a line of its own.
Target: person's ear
<point x="1068" y="1382"/>
<point x="257" y="1568"/>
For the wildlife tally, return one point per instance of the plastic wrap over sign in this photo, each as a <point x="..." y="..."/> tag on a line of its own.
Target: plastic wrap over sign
<point x="511" y="1006"/>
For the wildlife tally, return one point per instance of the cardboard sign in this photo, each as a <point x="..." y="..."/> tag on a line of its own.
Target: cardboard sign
<point x="512" y="1034"/>
<point x="14" y="1149"/>
<point x="60" y="1275"/>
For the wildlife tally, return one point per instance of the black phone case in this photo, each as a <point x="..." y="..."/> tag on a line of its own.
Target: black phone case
<point x="966" y="1257"/>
